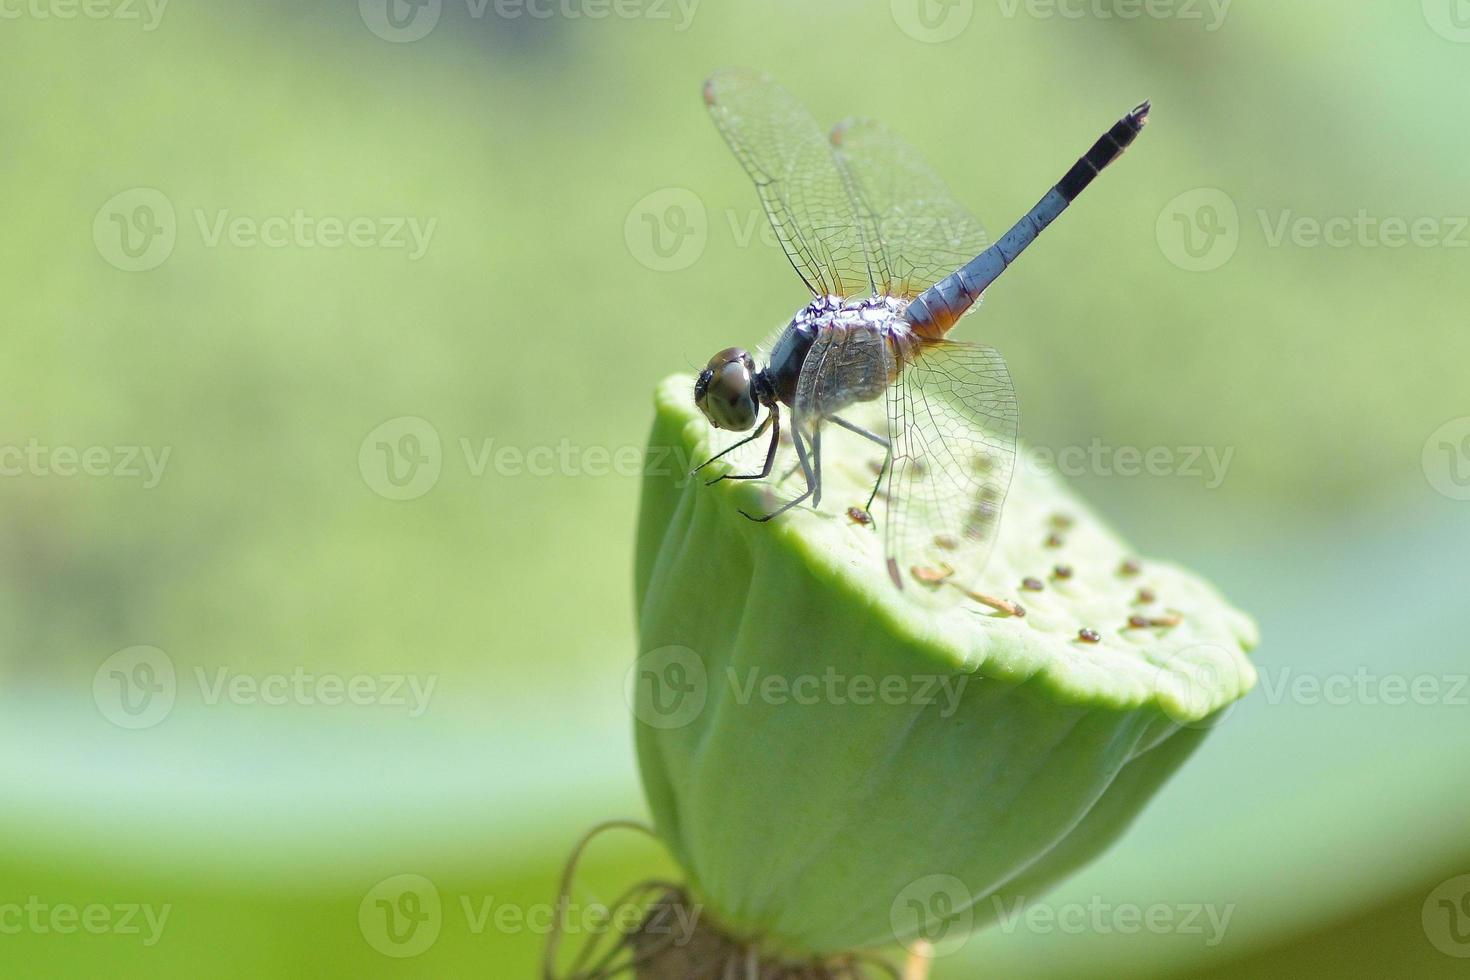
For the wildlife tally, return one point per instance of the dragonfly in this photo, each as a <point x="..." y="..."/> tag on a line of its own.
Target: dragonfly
<point x="892" y="261"/>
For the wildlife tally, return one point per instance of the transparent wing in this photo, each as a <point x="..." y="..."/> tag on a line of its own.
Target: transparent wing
<point x="804" y="193"/>
<point x="922" y="233"/>
<point x="952" y="421"/>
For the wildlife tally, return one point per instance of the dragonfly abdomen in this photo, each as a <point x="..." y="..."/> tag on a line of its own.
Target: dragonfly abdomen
<point x="934" y="311"/>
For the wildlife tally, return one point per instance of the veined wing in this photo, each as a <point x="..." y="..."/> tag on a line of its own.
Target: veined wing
<point x="952" y="421"/>
<point x="922" y="232"/>
<point x="804" y="193"/>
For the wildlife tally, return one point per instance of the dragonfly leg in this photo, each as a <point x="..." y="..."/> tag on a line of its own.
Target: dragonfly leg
<point x="773" y="420"/>
<point x="850" y="427"/>
<point x="753" y="436"/>
<point x="817" y="464"/>
<point x="887" y="459"/>
<point x="887" y="455"/>
<point x="813" y="479"/>
<point x="771" y="454"/>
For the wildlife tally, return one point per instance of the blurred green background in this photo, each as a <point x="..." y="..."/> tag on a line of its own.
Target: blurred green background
<point x="179" y="184"/>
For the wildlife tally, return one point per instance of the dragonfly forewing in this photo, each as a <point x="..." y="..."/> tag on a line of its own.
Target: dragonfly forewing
<point x="804" y="193"/>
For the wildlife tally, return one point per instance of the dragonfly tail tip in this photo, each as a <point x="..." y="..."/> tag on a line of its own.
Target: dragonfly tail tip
<point x="1139" y="115"/>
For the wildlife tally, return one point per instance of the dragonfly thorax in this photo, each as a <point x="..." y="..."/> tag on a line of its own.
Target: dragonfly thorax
<point x="869" y="313"/>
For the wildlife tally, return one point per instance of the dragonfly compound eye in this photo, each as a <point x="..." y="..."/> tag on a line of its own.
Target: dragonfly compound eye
<point x="725" y="392"/>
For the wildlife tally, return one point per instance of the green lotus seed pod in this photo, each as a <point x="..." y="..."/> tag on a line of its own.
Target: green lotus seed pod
<point x="838" y="764"/>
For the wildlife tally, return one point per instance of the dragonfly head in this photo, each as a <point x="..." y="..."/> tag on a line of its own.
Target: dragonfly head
<point x="726" y="390"/>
